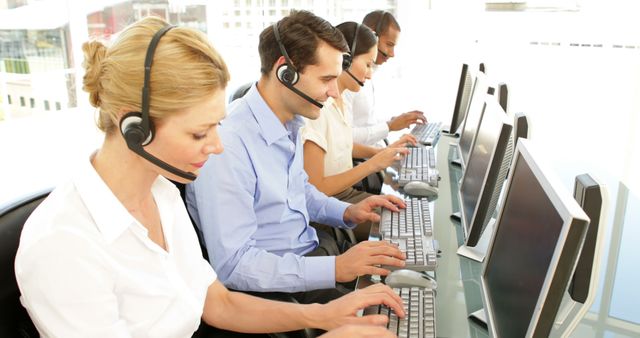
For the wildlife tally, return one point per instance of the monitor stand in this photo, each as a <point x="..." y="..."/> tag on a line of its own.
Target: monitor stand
<point x="479" y="317"/>
<point x="478" y="252"/>
<point x="455" y="158"/>
<point x="567" y="318"/>
<point x="448" y="133"/>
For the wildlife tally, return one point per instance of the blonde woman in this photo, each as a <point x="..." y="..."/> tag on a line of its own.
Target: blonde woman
<point x="112" y="253"/>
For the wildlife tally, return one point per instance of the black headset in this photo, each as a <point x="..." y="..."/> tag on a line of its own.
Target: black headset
<point x="347" y="59"/>
<point x="136" y="127"/>
<point x="377" y="31"/>
<point x="287" y="73"/>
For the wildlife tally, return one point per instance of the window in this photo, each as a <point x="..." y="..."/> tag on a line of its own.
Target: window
<point x="22" y="103"/>
<point x="9" y="99"/>
<point x="58" y="106"/>
<point x="32" y="102"/>
<point x="46" y="105"/>
<point x="533" y="5"/>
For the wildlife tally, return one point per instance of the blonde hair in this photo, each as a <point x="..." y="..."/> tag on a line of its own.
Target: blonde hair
<point x="186" y="70"/>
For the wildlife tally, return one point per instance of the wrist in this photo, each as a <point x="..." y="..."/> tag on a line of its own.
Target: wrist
<point x="346" y="217"/>
<point x="338" y="266"/>
<point x="372" y="165"/>
<point x="313" y="316"/>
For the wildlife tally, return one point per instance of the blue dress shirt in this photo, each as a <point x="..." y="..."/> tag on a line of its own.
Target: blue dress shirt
<point x="253" y="204"/>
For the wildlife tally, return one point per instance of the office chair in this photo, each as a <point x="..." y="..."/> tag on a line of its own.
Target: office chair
<point x="372" y="183"/>
<point x="14" y="319"/>
<point x="240" y="91"/>
<point x="206" y="331"/>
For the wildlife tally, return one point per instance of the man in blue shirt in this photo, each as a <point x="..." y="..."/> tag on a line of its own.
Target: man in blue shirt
<point x="253" y="203"/>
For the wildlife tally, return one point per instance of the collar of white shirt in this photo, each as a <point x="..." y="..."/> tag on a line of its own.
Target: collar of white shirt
<point x="110" y="216"/>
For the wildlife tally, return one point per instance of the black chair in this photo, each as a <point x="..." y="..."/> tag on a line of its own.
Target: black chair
<point x="240" y="91"/>
<point x="372" y="183"/>
<point x="14" y="320"/>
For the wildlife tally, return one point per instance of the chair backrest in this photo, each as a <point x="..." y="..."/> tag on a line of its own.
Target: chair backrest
<point x="240" y="91"/>
<point x="183" y="190"/>
<point x="14" y="320"/>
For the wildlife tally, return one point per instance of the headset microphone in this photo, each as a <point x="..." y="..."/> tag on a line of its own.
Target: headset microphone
<point x="355" y="78"/>
<point x="137" y="127"/>
<point x="287" y="73"/>
<point x="378" y="29"/>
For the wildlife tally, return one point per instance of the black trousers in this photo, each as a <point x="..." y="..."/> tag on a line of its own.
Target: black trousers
<point x="327" y="247"/>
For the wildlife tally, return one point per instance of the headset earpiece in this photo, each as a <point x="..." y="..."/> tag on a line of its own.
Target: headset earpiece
<point x="286" y="74"/>
<point x="133" y="132"/>
<point x="347" y="59"/>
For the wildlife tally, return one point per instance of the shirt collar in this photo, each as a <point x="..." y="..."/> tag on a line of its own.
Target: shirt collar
<point x="110" y="216"/>
<point x="270" y="126"/>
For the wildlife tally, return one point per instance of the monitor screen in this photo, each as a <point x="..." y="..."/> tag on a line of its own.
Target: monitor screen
<point x="486" y="171"/>
<point x="474" y="115"/>
<point x="533" y="252"/>
<point x="462" y="99"/>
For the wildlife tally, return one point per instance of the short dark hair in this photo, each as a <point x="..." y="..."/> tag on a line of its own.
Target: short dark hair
<point x="366" y="38"/>
<point x="300" y="33"/>
<point x="381" y="19"/>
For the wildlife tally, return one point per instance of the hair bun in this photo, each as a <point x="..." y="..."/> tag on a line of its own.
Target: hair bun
<point x="94" y="52"/>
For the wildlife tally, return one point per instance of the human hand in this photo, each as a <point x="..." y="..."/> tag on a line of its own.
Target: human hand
<point x="359" y="331"/>
<point x="406" y="119"/>
<point x="364" y="259"/>
<point x="365" y="209"/>
<point x="343" y="310"/>
<point x="403" y="140"/>
<point x="385" y="157"/>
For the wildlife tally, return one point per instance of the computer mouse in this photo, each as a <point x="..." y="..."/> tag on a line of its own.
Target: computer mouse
<point x="420" y="189"/>
<point x="403" y="278"/>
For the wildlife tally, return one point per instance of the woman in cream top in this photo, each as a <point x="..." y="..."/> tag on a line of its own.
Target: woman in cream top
<point x="328" y="140"/>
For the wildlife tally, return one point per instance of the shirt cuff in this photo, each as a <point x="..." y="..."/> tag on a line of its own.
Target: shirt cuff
<point x="380" y="130"/>
<point x="335" y="210"/>
<point x="320" y="272"/>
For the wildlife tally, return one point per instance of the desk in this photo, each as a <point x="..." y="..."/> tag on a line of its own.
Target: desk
<point x="459" y="291"/>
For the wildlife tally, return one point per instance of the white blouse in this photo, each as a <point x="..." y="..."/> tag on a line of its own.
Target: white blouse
<point x="331" y="132"/>
<point x="86" y="267"/>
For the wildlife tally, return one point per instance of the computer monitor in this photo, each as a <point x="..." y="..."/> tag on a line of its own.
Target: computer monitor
<point x="474" y="115"/>
<point x="503" y="96"/>
<point x="520" y="126"/>
<point x="589" y="194"/>
<point x="465" y="86"/>
<point x="582" y="290"/>
<point x="484" y="177"/>
<point x="533" y="252"/>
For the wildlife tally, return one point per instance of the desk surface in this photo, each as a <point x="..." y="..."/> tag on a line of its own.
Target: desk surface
<point x="459" y="291"/>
